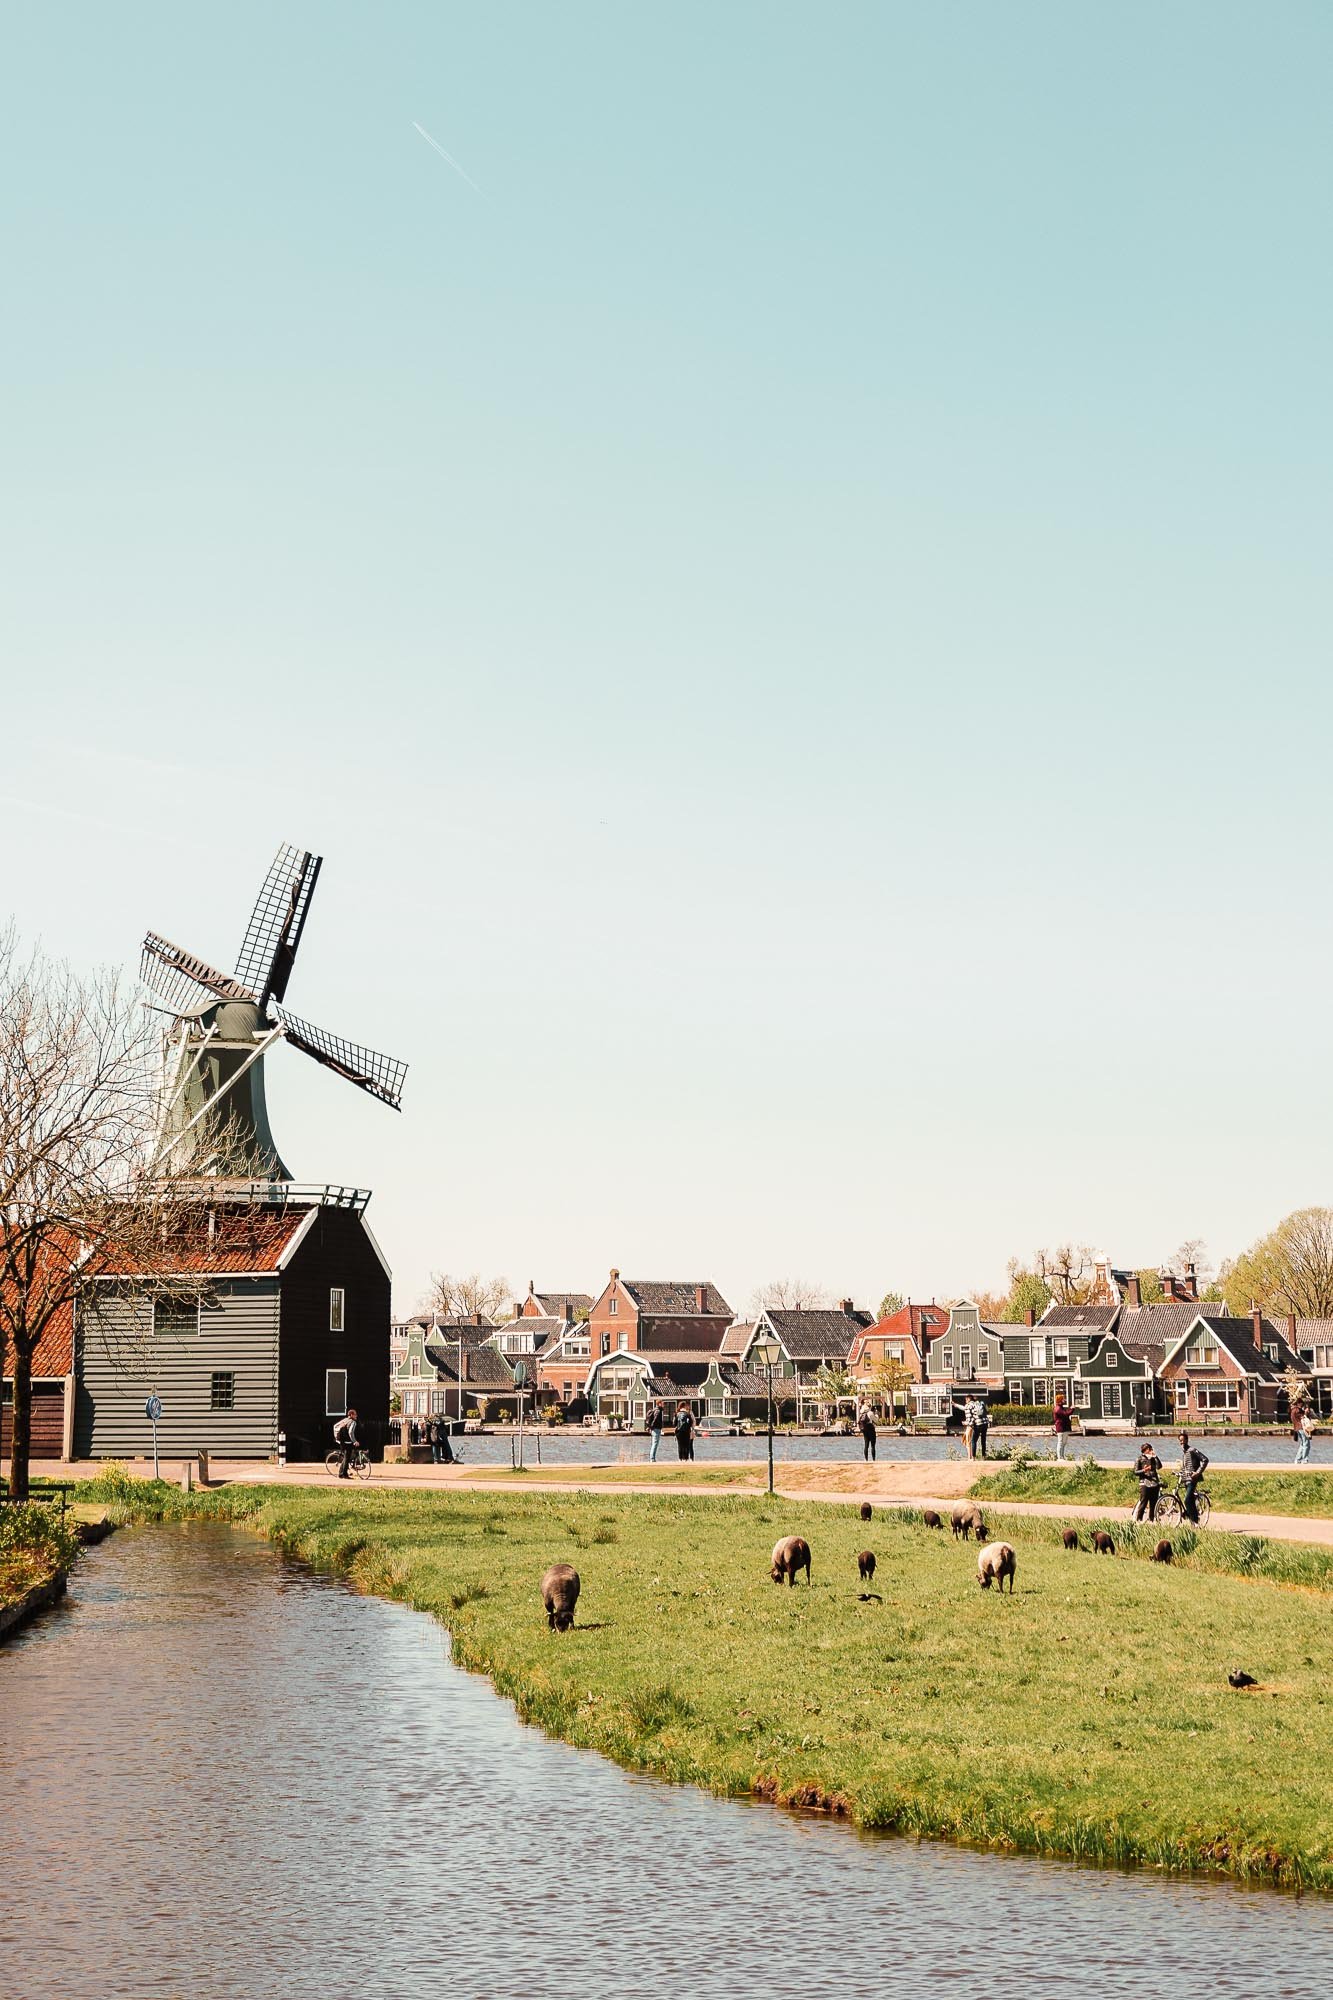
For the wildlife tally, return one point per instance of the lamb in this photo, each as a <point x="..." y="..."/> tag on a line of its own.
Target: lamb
<point x="865" y="1563"/>
<point x="1163" y="1553"/>
<point x="930" y="1519"/>
<point x="966" y="1520"/>
<point x="1102" y="1542"/>
<point x="560" y="1593"/>
<point x="996" y="1562"/>
<point x="789" y="1555"/>
<point x="1070" y="1538"/>
<point x="866" y="1510"/>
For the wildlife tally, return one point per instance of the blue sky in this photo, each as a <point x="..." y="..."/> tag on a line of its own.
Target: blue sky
<point x="797" y="613"/>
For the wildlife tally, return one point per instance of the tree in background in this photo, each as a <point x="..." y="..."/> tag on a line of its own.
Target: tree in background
<point x="890" y="1381"/>
<point x="1151" y="1288"/>
<point x="1026" y="1289"/>
<point x="892" y="1302"/>
<point x="789" y="1294"/>
<point x="1069" y="1270"/>
<point x="463" y="1298"/>
<point x="833" y="1386"/>
<point x="82" y="1188"/>
<point x="1289" y="1270"/>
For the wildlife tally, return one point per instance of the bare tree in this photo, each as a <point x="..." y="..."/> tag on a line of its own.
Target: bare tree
<point x="1070" y="1272"/>
<point x="791" y="1294"/>
<point x="80" y="1197"/>
<point x="464" y="1298"/>
<point x="1289" y="1270"/>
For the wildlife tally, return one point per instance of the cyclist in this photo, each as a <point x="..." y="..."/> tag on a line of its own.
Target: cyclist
<point x="1148" y="1471"/>
<point x="1193" y="1465"/>
<point x="345" y="1437"/>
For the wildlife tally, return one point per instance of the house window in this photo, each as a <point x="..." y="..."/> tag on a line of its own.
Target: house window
<point x="1110" y="1357"/>
<point x="1015" y="1392"/>
<point x="336" y="1309"/>
<point x="893" y="1354"/>
<point x="1182" y="1395"/>
<point x="606" y="1343"/>
<point x="1037" y="1353"/>
<point x="983" y="1357"/>
<point x="222" y="1390"/>
<point x="437" y="1402"/>
<point x="1110" y="1399"/>
<point x="1059" y="1353"/>
<point x="1270" y="1349"/>
<point x="1218" y="1395"/>
<point x="965" y="1360"/>
<point x="335" y="1392"/>
<point x="1081" y="1397"/>
<point x="414" y="1366"/>
<point x="1203" y="1354"/>
<point x="622" y="1342"/>
<point x="566" y="1391"/>
<point x="613" y="1305"/>
<point x="176" y="1319"/>
<point x="946" y="1357"/>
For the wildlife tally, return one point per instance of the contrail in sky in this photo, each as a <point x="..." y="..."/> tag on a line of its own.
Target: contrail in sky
<point x="446" y="156"/>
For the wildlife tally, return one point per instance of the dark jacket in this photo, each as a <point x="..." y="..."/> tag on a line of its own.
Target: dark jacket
<point x="655" y="1417"/>
<point x="1194" y="1463"/>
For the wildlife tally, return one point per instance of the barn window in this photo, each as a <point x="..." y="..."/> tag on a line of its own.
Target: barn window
<point x="335" y="1392"/>
<point x="336" y="1309"/>
<point x="176" y="1319"/>
<point x="222" y="1390"/>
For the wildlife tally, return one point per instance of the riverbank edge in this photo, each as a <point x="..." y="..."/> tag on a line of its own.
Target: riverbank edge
<point x="373" y="1569"/>
<point x="40" y="1596"/>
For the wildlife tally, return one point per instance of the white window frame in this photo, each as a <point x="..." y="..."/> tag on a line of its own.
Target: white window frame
<point x="337" y="1309"/>
<point x="1082" y="1394"/>
<point x="965" y="1360"/>
<point x="329" y="1374"/>
<point x="613" y="1305"/>
<point x="1016" y="1393"/>
<point x="983" y="1358"/>
<point x="1037" y="1353"/>
<point x="1182" y="1394"/>
<point x="946" y="1359"/>
<point x="1059" y="1352"/>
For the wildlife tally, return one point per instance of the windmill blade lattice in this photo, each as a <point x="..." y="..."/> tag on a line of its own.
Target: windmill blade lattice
<point x="183" y="982"/>
<point x="381" y="1075"/>
<point x="276" y="922"/>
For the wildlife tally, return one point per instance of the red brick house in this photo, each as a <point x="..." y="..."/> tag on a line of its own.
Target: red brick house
<point x="1226" y="1369"/>
<point x="52" y="1390"/>
<point x="675" y="1314"/>
<point x="903" y="1336"/>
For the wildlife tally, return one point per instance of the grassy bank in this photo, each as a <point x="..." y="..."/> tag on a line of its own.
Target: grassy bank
<point x="1263" y="1491"/>
<point x="1089" y="1716"/>
<point x="35" y="1545"/>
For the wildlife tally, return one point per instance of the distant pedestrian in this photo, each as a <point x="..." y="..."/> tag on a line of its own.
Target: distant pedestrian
<point x="437" y="1437"/>
<point x="868" y="1432"/>
<point x="1304" y="1435"/>
<point x="980" y="1429"/>
<point x="684" y="1432"/>
<point x="1062" y="1423"/>
<point x="656" y="1425"/>
<point x="970" y="1427"/>
<point x="1193" y="1465"/>
<point x="1148" y="1472"/>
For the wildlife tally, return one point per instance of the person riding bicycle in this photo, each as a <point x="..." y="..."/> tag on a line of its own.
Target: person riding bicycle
<point x="345" y="1437"/>
<point x="1148" y="1472"/>
<point x="1193" y="1465"/>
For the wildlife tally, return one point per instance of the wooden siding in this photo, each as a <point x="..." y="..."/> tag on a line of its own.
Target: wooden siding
<point x="120" y="1364"/>
<point x="337" y="1251"/>
<point x="48" y="1420"/>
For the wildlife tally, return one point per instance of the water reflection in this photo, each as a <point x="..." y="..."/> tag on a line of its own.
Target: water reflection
<point x="226" y="1777"/>
<point x="578" y="1447"/>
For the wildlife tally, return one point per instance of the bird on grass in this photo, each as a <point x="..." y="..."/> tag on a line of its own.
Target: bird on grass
<point x="1240" y="1679"/>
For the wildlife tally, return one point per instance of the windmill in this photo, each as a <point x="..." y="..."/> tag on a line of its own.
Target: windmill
<point x="224" y="1024"/>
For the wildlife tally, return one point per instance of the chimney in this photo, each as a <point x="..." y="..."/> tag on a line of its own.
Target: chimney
<point x="1191" y="1282"/>
<point x="701" y="1298"/>
<point x="846" y="1306"/>
<point x="1257" y="1326"/>
<point x="518" y="1308"/>
<point x="1291" y="1331"/>
<point x="1134" y="1295"/>
<point x="614" y="1274"/>
<point x="1030" y="1316"/>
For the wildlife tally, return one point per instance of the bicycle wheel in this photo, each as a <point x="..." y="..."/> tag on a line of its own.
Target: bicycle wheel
<point x="332" y="1462"/>
<point x="1204" y="1506"/>
<point x="1168" y="1511"/>
<point x="361" y="1465"/>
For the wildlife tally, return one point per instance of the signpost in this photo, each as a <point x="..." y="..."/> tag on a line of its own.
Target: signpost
<point x="152" y="1409"/>
<point x="520" y="1383"/>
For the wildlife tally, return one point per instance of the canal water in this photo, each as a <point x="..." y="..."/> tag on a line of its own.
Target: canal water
<point x="225" y="1777"/>
<point x="578" y="1447"/>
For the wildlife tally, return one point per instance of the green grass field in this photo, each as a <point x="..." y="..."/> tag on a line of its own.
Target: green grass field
<point x="1090" y="1485"/>
<point x="1087" y="1716"/>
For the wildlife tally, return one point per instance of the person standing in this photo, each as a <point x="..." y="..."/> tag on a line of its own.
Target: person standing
<point x="655" y="1427"/>
<point x="1304" y="1436"/>
<point x="981" y="1428"/>
<point x="684" y="1432"/>
<point x="970" y="1427"/>
<point x="1193" y="1465"/>
<point x="436" y="1437"/>
<point x="1062" y="1423"/>
<point x="868" y="1432"/>
<point x="1148" y="1471"/>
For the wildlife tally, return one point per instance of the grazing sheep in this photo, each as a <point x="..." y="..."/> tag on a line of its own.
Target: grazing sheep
<point x="1240" y="1679"/>
<point x="1070" y="1538"/>
<point x="866" y="1510"/>
<point x="1102" y="1542"/>
<point x="996" y="1562"/>
<point x="966" y="1520"/>
<point x="930" y="1519"/>
<point x="560" y="1593"/>
<point x="865" y="1563"/>
<point x="789" y="1555"/>
<point x="1162" y="1553"/>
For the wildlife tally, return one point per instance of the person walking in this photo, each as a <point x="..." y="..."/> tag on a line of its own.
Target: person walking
<point x="1304" y="1434"/>
<point x="656" y="1423"/>
<point x="684" y="1432"/>
<point x="868" y="1431"/>
<point x="1148" y="1472"/>
<point x="1193" y="1465"/>
<point x="1062" y="1423"/>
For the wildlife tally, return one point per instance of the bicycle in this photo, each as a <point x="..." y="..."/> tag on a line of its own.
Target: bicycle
<point x="1171" y="1508"/>
<point x="359" y="1466"/>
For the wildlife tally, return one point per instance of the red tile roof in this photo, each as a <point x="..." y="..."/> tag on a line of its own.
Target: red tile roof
<point x="244" y="1238"/>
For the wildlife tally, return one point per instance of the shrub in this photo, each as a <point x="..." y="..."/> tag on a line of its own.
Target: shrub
<point x="1021" y="1413"/>
<point x="34" y="1543"/>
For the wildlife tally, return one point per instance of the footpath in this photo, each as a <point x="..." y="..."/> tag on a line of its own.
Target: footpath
<point x="889" y="1483"/>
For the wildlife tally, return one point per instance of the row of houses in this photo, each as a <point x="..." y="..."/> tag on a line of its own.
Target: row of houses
<point x="1120" y="1360"/>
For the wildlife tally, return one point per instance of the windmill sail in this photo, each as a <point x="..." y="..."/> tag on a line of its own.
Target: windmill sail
<point x="183" y="982"/>
<point x="381" y="1075"/>
<point x="276" y="922"/>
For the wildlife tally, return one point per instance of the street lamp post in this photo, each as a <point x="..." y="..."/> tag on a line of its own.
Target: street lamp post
<point x="765" y="1352"/>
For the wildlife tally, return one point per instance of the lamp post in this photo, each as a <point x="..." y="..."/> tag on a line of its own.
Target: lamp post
<point x="765" y="1352"/>
<point x="520" y="1383"/>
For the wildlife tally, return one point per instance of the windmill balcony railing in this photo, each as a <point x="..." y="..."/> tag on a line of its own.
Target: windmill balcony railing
<point x="283" y="1194"/>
